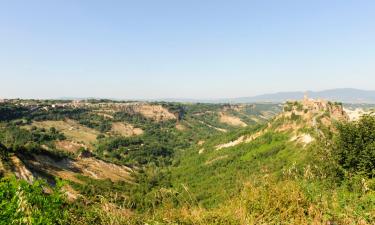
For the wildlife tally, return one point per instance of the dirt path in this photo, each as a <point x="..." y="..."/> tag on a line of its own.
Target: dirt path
<point x="231" y="120"/>
<point x="216" y="128"/>
<point x="242" y="139"/>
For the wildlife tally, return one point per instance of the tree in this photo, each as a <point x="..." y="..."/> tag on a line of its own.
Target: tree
<point x="354" y="147"/>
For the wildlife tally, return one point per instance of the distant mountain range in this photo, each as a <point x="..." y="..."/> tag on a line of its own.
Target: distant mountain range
<point x="345" y="95"/>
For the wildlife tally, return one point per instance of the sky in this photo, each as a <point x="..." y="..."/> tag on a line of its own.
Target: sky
<point x="147" y="49"/>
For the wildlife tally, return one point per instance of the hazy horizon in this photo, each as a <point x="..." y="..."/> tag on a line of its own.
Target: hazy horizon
<point x="192" y="49"/>
<point x="202" y="100"/>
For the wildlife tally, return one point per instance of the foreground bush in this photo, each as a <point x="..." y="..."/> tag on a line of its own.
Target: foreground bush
<point x="22" y="203"/>
<point x="354" y="147"/>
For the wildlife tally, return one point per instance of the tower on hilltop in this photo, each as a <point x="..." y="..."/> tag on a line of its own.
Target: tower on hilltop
<point x="305" y="96"/>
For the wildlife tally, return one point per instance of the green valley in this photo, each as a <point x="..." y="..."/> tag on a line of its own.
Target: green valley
<point x="108" y="162"/>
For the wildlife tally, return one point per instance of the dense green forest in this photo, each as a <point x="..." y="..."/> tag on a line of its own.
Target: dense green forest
<point x="205" y="164"/>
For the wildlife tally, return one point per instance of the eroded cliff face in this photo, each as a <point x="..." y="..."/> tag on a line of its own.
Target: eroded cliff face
<point x="155" y="112"/>
<point x="150" y="111"/>
<point x="308" y="118"/>
<point x="310" y="110"/>
<point x="335" y="110"/>
<point x="303" y="120"/>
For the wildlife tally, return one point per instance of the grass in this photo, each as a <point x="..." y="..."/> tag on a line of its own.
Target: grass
<point x="269" y="201"/>
<point x="229" y="167"/>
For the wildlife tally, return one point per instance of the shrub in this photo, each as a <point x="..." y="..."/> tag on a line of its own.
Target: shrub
<point x="23" y="203"/>
<point x="354" y="147"/>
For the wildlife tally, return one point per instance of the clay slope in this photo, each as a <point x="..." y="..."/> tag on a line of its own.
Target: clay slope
<point x="302" y="119"/>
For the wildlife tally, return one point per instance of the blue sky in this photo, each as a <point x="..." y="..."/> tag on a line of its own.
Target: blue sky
<point x="184" y="48"/>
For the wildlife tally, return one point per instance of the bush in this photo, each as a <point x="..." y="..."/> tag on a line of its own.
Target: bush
<point x="354" y="147"/>
<point x="22" y="203"/>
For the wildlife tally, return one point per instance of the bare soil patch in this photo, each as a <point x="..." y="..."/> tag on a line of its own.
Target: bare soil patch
<point x="69" y="146"/>
<point x="125" y="129"/>
<point x="305" y="139"/>
<point x="231" y="120"/>
<point x="71" y="129"/>
<point x="68" y="169"/>
<point x="20" y="169"/>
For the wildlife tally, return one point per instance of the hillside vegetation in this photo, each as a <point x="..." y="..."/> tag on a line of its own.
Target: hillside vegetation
<point x="105" y="162"/>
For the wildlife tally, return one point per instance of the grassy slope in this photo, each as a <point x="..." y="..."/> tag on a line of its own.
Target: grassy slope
<point x="269" y="180"/>
<point x="228" y="168"/>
